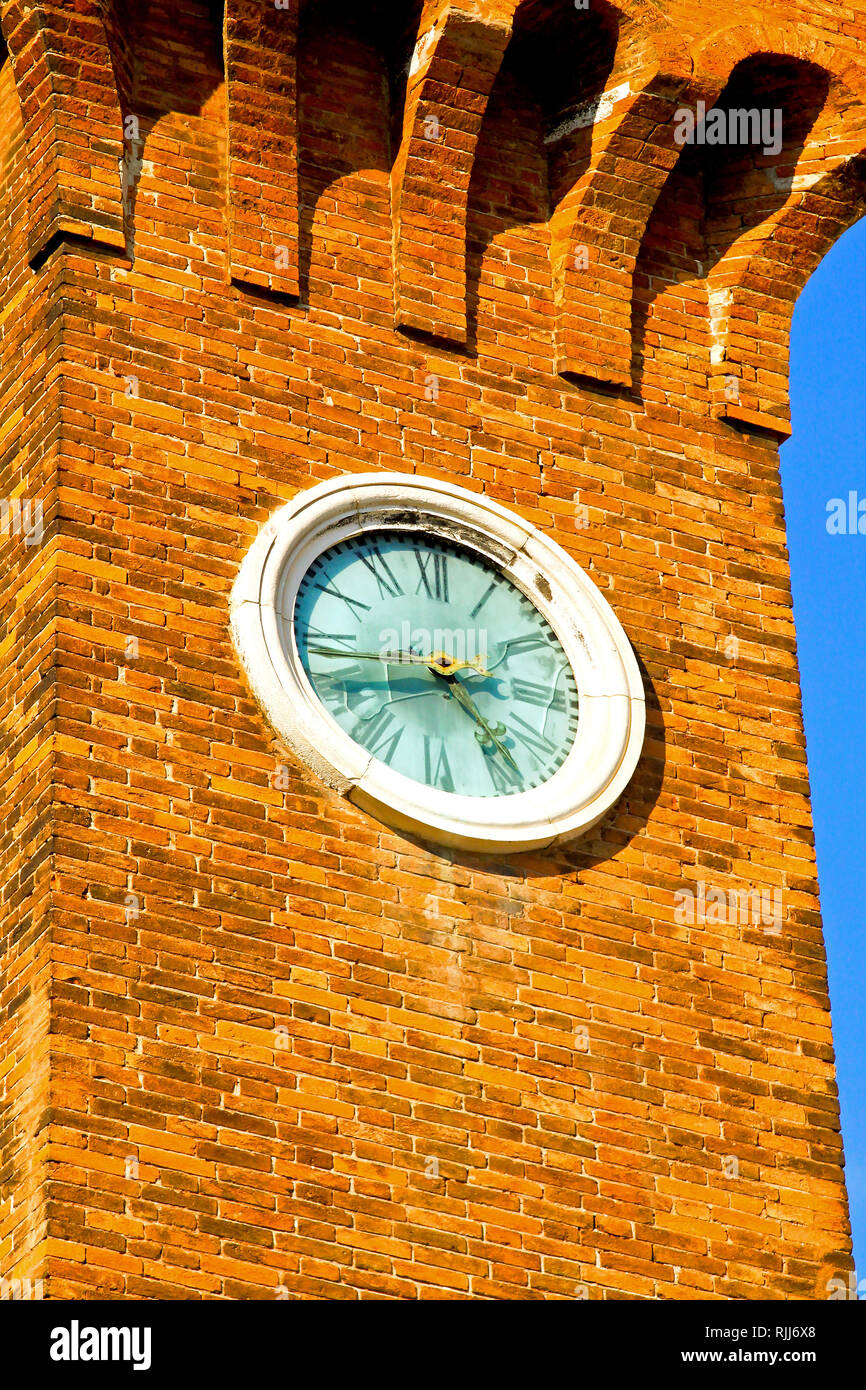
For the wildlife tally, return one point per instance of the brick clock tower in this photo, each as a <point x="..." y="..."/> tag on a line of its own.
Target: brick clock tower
<point x="408" y="882"/>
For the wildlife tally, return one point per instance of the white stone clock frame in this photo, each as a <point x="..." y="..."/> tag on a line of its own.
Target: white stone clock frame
<point x="611" y="715"/>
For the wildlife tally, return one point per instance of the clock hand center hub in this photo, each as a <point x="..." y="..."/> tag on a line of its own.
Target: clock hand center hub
<point x="445" y="665"/>
<point x="441" y="662"/>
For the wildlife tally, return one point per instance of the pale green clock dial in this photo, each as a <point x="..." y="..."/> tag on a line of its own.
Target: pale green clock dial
<point x="432" y="660"/>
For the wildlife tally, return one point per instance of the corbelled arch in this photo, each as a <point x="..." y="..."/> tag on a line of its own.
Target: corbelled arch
<point x="719" y="52"/>
<point x="753" y="286"/>
<point x="454" y="64"/>
<point x="458" y="56"/>
<point x="260" y="50"/>
<point x="352" y="69"/>
<point x="597" y="227"/>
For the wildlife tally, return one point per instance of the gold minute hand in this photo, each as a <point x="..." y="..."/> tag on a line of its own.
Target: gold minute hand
<point x="462" y="696"/>
<point x="440" y="663"/>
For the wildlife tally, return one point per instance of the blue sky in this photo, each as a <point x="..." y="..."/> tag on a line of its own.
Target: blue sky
<point x="823" y="460"/>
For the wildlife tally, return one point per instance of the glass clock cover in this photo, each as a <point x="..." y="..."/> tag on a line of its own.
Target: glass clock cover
<point x="432" y="660"/>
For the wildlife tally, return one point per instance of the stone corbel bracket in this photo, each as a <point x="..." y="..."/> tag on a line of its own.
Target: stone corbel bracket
<point x="453" y="68"/>
<point x="261" y="84"/>
<point x="598" y="227"/>
<point x="63" y="72"/>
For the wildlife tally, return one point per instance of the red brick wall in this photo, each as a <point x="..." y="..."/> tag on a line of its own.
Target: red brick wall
<point x="30" y="364"/>
<point x="255" y="1044"/>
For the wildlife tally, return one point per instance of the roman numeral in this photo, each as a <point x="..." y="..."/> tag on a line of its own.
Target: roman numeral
<point x="532" y="694"/>
<point x="529" y="643"/>
<point x="376" y="734"/>
<point x="354" y="603"/>
<point x="438" y="773"/>
<point x="434" y="574"/>
<point x="332" y="684"/>
<point x="316" y="634"/>
<point x="541" y="747"/>
<point x="503" y="776"/>
<point x="378" y="567"/>
<point x="483" y="599"/>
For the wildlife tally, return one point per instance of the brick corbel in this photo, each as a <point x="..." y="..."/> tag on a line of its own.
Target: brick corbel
<point x="72" y="121"/>
<point x="261" y="85"/>
<point x="597" y="229"/>
<point x="754" y="287"/>
<point x="753" y="292"/>
<point x="453" y="69"/>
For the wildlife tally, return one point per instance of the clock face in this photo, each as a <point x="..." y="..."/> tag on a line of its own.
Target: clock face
<point x="435" y="663"/>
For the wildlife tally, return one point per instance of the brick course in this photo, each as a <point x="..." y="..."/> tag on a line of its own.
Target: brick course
<point x="254" y="1044"/>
